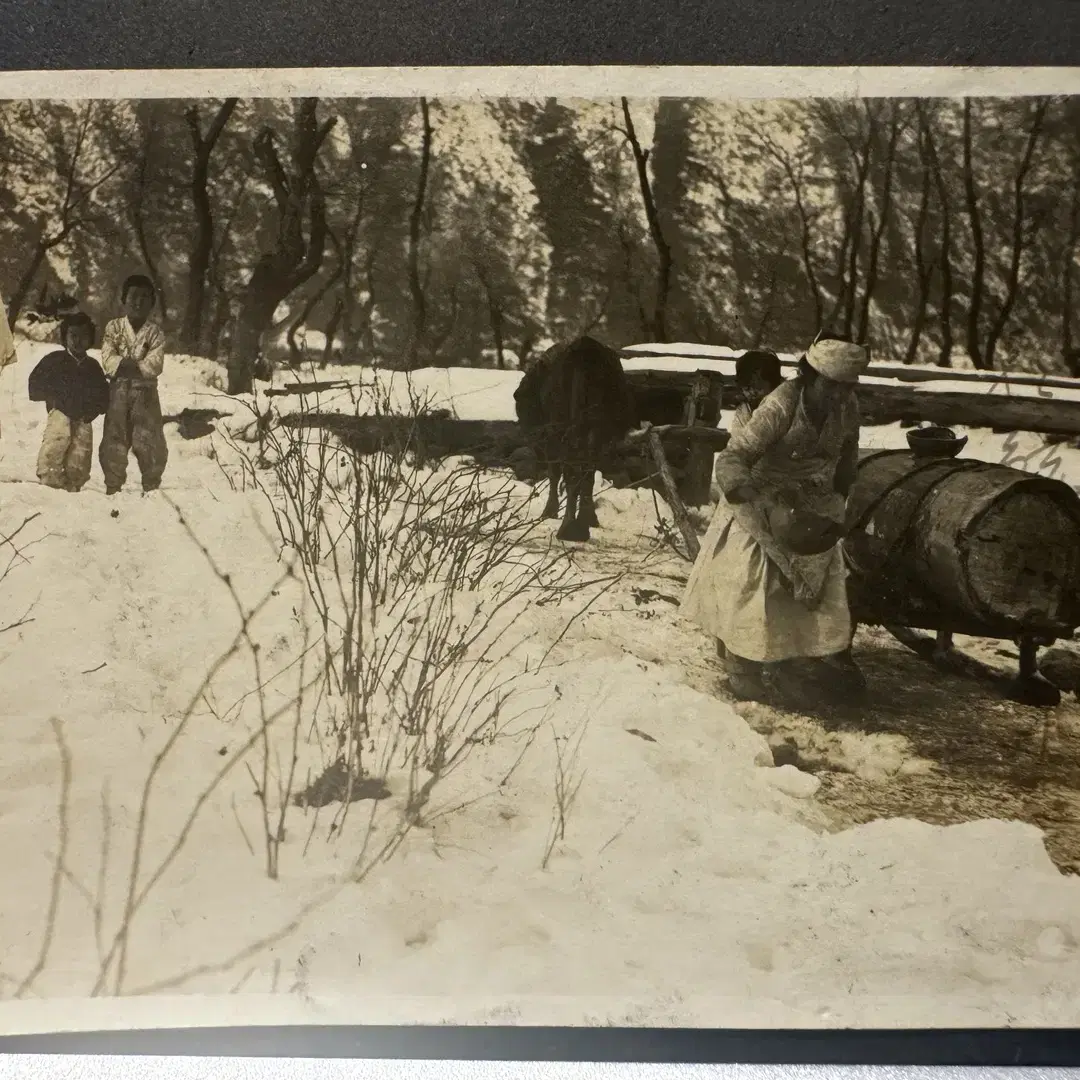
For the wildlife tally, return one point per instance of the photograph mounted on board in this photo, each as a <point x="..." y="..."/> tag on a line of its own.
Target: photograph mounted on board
<point x="540" y="547"/>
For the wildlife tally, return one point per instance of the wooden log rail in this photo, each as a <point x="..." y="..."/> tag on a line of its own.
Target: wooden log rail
<point x="466" y="436"/>
<point x="1001" y="403"/>
<point x="999" y="381"/>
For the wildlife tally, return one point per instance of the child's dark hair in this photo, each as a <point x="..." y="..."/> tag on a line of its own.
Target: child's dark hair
<point x="758" y="363"/>
<point x="137" y="281"/>
<point x="73" y="322"/>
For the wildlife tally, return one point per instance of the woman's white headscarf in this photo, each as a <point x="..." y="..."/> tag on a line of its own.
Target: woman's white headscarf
<point x="840" y="361"/>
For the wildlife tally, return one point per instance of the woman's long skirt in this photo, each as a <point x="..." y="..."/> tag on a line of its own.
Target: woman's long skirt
<point x="736" y="594"/>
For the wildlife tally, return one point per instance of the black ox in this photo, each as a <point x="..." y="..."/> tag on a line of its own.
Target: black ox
<point x="575" y="404"/>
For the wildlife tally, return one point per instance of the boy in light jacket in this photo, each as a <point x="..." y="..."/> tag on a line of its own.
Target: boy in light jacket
<point x="133" y="355"/>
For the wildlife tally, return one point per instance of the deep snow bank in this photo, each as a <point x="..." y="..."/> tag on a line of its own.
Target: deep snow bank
<point x="689" y="888"/>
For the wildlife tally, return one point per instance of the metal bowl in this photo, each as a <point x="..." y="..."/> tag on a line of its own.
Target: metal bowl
<point x="806" y="533"/>
<point x="940" y="442"/>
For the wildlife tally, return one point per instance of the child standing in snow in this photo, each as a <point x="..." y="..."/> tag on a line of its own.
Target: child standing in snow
<point x="133" y="355"/>
<point x="75" y="392"/>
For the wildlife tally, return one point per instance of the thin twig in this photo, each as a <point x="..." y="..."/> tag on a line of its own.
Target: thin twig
<point x="59" y="863"/>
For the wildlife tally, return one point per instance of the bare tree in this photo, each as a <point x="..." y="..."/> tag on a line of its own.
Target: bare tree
<point x="77" y="188"/>
<point x="202" y="245"/>
<point x="296" y="354"/>
<point x="295" y="258"/>
<point x="982" y="354"/>
<point x="344" y="303"/>
<point x="924" y="264"/>
<point x="852" y="196"/>
<point x="1069" y="352"/>
<point x="1021" y="228"/>
<point x="139" y="192"/>
<point x="630" y="277"/>
<point x="794" y="171"/>
<point x="945" y="305"/>
<point x="853" y="225"/>
<point x="897" y="124"/>
<point x="217" y="279"/>
<point x="416" y="218"/>
<point x="768" y="307"/>
<point x="495" y="311"/>
<point x="978" y="245"/>
<point x="657" y="325"/>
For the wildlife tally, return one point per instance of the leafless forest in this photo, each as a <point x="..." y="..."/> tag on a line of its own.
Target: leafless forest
<point x="417" y="232"/>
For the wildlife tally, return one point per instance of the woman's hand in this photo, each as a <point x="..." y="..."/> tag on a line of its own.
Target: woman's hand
<point x="782" y="517"/>
<point x="744" y="493"/>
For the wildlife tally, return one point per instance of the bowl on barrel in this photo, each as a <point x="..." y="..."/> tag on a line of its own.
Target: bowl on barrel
<point x="935" y="442"/>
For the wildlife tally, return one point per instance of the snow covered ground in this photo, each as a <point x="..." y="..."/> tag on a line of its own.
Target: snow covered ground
<point x="694" y="883"/>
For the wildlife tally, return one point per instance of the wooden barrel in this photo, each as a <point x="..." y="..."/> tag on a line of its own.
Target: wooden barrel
<point x="963" y="545"/>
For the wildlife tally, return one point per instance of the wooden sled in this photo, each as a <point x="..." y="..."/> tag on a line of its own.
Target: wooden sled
<point x="1028" y="687"/>
<point x="962" y="546"/>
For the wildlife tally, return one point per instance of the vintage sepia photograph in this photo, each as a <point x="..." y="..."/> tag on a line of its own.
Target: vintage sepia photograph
<point x="491" y="552"/>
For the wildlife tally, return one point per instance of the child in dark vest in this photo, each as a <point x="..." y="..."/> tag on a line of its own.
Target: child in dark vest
<point x="133" y="355"/>
<point x="75" y="391"/>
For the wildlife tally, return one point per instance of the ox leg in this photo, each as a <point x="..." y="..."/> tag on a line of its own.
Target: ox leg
<point x="573" y="528"/>
<point x="586" y="503"/>
<point x="551" y="507"/>
<point x="1030" y="687"/>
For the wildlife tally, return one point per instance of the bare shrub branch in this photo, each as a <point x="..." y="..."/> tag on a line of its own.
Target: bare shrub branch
<point x="59" y="862"/>
<point x="568" y="781"/>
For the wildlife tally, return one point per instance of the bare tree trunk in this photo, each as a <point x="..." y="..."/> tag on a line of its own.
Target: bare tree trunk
<point x="495" y="315"/>
<point x="217" y="288"/>
<point x="137" y="205"/>
<point x="367" y="312"/>
<point x="202" y="245"/>
<point x="294" y="259"/>
<point x="847" y="252"/>
<point x="806" y="240"/>
<point x="627" y="245"/>
<point x="219" y="321"/>
<point x="333" y="324"/>
<point x="978" y="271"/>
<point x="26" y="282"/>
<point x="924" y="269"/>
<point x="1019" y="222"/>
<point x="296" y="355"/>
<point x="67" y="225"/>
<point x="663" y="249"/>
<point x="440" y="337"/>
<point x="945" y="307"/>
<point x="342" y="313"/>
<point x="878" y="230"/>
<point x="416" y="287"/>
<point x="855" y="233"/>
<point x="806" y="246"/>
<point x="1068" y="271"/>
<point x="770" y="303"/>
